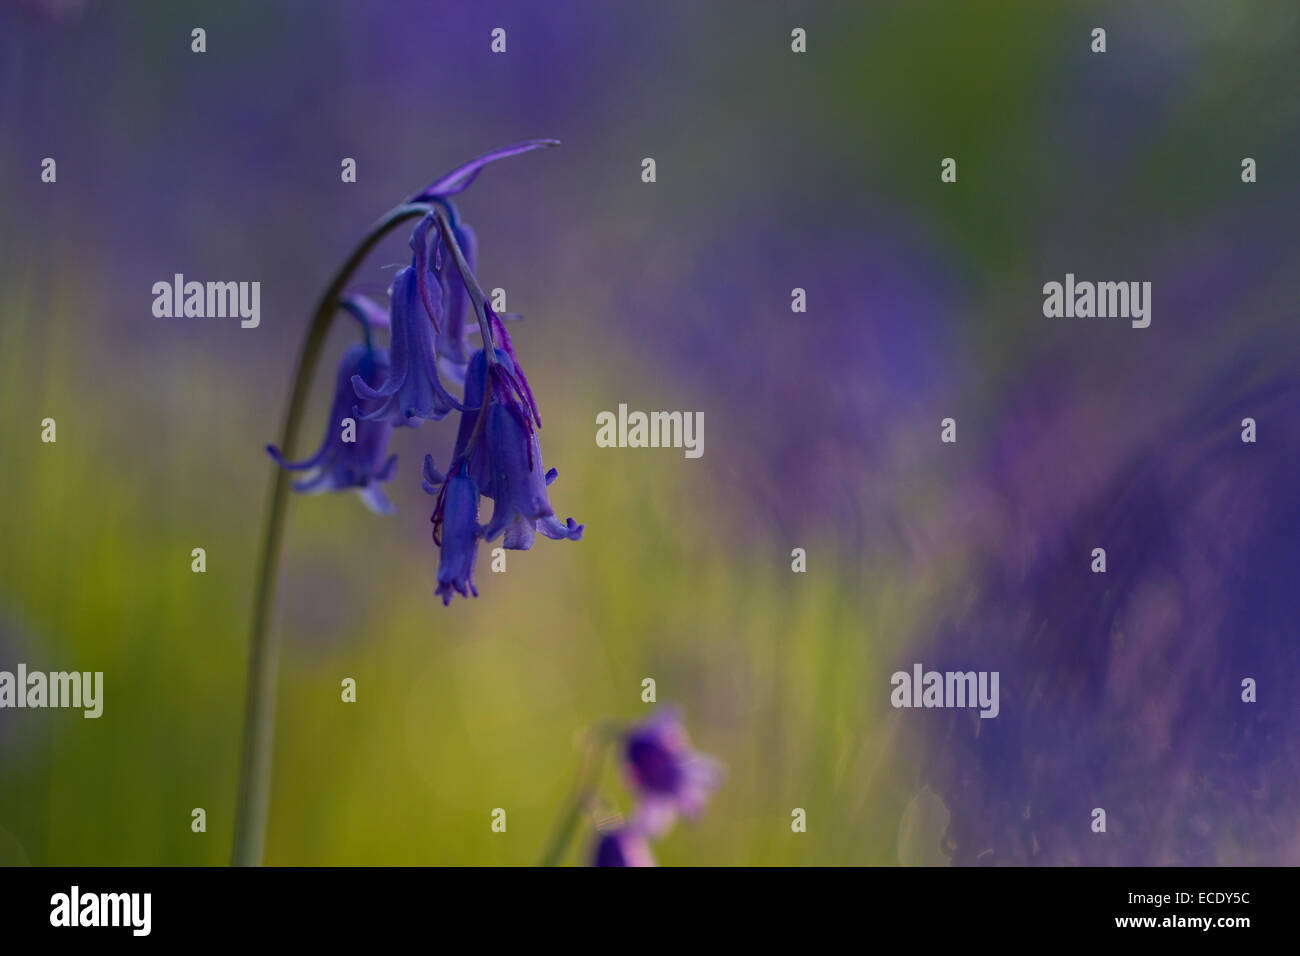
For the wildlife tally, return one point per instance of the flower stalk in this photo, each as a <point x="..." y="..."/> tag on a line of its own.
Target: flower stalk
<point x="595" y="746"/>
<point x="253" y="800"/>
<point x="471" y="283"/>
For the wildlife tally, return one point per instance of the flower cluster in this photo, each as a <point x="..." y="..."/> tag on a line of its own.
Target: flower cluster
<point x="435" y="307"/>
<point x="670" y="780"/>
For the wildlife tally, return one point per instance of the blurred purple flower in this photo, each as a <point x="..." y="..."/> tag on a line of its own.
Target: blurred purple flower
<point x="622" y="846"/>
<point x="669" y="777"/>
<point x="352" y="455"/>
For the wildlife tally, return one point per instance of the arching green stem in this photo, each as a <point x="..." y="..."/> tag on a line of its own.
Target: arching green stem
<point x="253" y="799"/>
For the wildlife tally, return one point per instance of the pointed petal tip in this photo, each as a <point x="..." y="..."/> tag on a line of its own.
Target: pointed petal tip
<point x="374" y="499"/>
<point x="460" y="179"/>
<point x="362" y="390"/>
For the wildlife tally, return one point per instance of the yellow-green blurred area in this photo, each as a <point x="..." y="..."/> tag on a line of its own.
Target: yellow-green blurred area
<point x="459" y="711"/>
<point x="776" y="170"/>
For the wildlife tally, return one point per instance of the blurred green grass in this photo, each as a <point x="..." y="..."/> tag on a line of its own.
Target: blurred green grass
<point x="459" y="710"/>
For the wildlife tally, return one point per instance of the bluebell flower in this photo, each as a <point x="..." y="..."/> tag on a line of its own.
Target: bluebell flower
<point x="621" y="846"/>
<point x="456" y="529"/>
<point x="521" y="506"/>
<point x="506" y="461"/>
<point x="362" y="463"/>
<point x="444" y="293"/>
<point x="497" y="453"/>
<point x="412" y="392"/>
<point x="669" y="777"/>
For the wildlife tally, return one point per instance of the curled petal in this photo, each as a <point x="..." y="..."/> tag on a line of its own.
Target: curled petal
<point x="569" y="531"/>
<point x="303" y="465"/>
<point x="433" y="478"/>
<point x="366" y="311"/>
